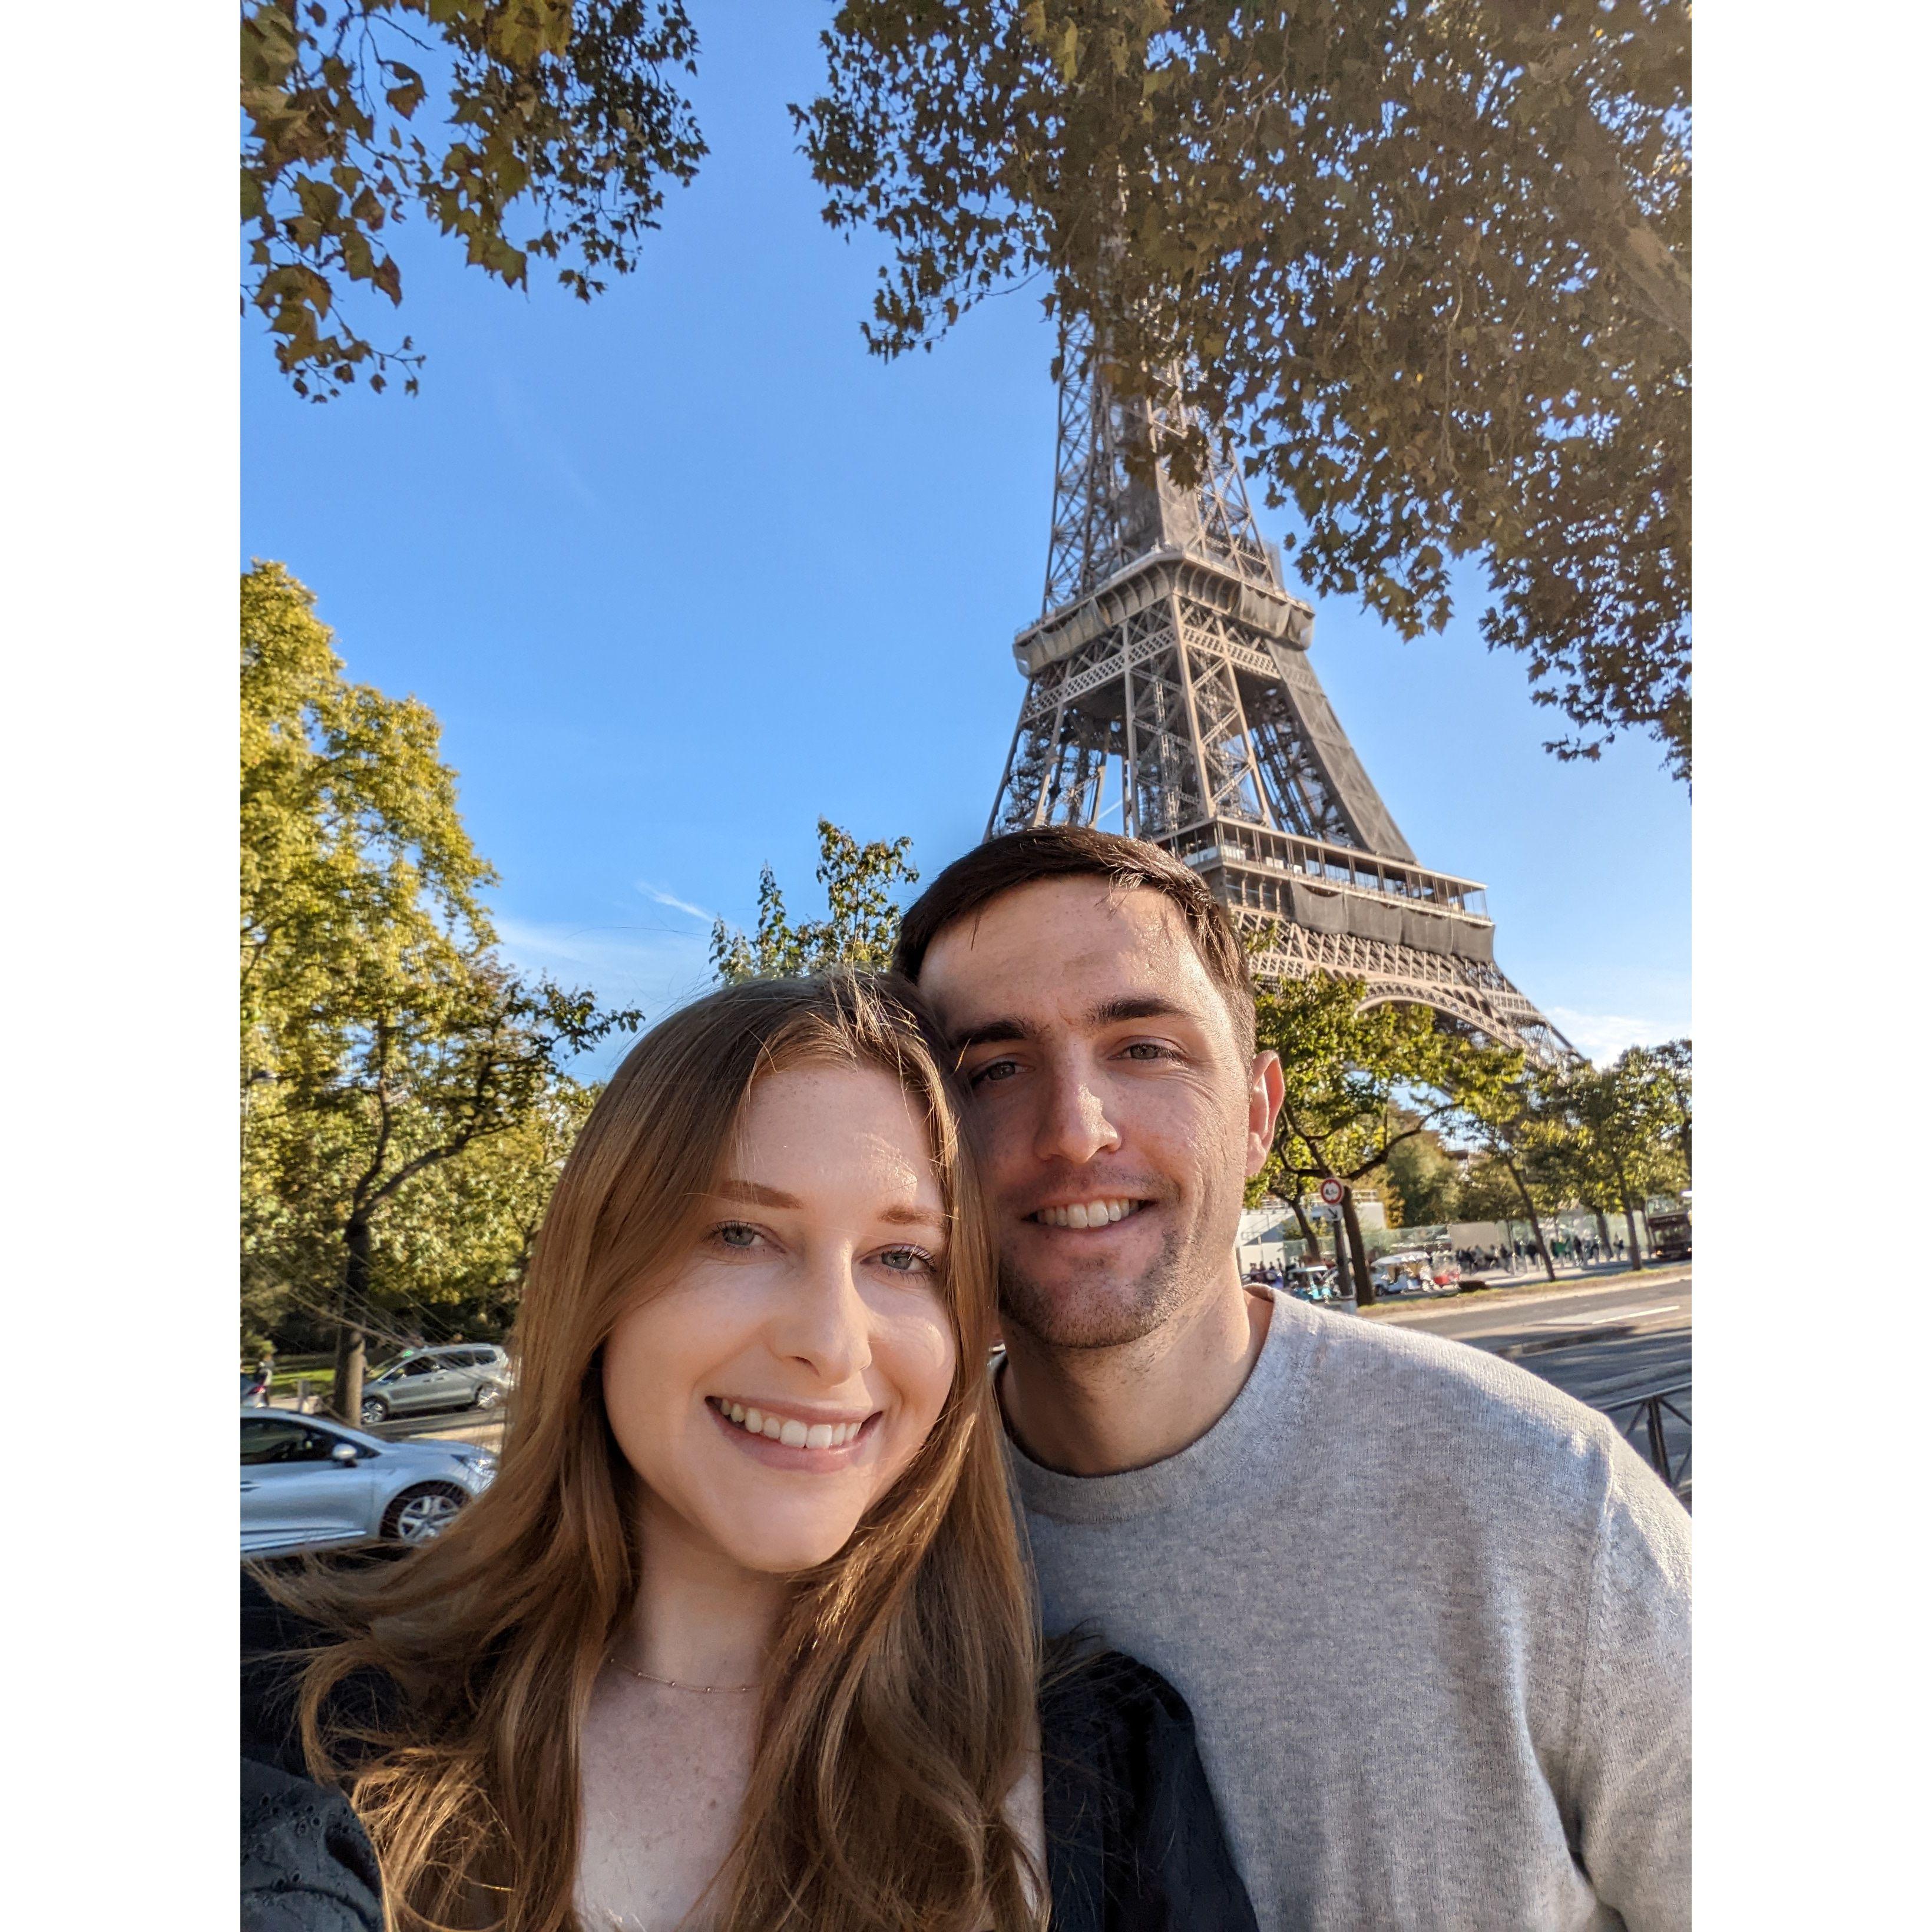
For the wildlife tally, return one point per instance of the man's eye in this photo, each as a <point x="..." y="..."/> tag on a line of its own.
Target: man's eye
<point x="1146" y="1049"/>
<point x="995" y="1069"/>
<point x="906" y="1260"/>
<point x="735" y="1234"/>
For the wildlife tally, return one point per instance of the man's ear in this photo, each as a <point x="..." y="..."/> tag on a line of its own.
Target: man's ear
<point x="1265" y="1089"/>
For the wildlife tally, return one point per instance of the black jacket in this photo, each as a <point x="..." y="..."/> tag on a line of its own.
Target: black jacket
<point x="1134" y="1842"/>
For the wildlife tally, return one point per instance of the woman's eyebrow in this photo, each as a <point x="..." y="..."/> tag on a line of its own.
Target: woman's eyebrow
<point x="923" y="1217"/>
<point x="756" y="1192"/>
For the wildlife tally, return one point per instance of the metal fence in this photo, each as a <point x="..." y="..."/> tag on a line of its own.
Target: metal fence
<point x="1647" y="1411"/>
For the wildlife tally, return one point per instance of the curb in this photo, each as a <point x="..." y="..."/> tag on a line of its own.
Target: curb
<point x="1614" y="1332"/>
<point x="1408" y="1310"/>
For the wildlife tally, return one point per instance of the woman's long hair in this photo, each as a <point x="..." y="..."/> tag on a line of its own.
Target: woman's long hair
<point x="899" y="1696"/>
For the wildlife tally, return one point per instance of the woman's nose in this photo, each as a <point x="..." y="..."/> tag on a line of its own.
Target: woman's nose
<point x="825" y="1323"/>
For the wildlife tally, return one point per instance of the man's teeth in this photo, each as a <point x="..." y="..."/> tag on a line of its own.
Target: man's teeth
<point x="788" y="1429"/>
<point x="1086" y="1213"/>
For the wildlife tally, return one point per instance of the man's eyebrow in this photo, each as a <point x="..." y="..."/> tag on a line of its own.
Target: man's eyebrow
<point x="756" y="1192"/>
<point x="1144" y="1007"/>
<point x="988" y="1031"/>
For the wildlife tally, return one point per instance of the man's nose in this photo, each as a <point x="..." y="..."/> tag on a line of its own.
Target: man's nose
<point x="1073" y="1127"/>
<point x="824" y="1323"/>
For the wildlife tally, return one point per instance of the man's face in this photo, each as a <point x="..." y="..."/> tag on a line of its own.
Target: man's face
<point x="1118" y="1110"/>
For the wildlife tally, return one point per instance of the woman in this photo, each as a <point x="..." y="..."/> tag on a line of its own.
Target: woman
<point x="740" y="1636"/>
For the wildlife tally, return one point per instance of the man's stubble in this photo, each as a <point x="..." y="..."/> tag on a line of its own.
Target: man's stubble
<point x="1100" y="1312"/>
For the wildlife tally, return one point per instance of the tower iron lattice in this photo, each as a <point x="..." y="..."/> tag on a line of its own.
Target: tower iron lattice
<point x="1170" y="658"/>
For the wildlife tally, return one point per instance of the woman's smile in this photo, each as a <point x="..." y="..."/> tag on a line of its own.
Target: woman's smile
<point x="789" y="1437"/>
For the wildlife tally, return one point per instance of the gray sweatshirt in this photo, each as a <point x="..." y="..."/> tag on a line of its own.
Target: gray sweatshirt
<point x="1433" y="1619"/>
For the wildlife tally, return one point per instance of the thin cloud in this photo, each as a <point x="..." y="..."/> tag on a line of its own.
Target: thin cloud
<point x="1604" y="1036"/>
<point x="677" y="905"/>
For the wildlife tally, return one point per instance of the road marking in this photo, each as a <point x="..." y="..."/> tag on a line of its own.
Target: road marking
<point x="1610" y="1315"/>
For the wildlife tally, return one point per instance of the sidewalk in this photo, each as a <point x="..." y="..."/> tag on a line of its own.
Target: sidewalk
<point x="1594" y="1281"/>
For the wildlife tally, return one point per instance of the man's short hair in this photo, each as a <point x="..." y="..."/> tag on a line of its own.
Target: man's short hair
<point x="1018" y="859"/>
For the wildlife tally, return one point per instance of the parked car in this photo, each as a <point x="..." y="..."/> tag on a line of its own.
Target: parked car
<point x="460" y="1375"/>
<point x="308" y="1482"/>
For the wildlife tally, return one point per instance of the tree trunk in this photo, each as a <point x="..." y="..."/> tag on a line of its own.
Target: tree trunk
<point x="1602" y="1232"/>
<point x="351" y="1344"/>
<point x="1630" y="1217"/>
<point x="1311" y="1241"/>
<point x="1630" y="1222"/>
<point x="1365" y="1288"/>
<point x="1535" y="1224"/>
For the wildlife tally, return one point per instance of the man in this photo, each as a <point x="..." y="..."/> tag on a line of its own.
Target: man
<point x="1432" y="1615"/>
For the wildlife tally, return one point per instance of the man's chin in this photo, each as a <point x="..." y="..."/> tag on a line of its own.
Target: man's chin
<point x="1086" y="1311"/>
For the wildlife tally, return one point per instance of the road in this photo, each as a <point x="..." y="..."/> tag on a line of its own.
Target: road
<point x="1599" y="1341"/>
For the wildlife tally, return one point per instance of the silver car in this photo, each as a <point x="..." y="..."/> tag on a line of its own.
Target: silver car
<point x="309" y="1483"/>
<point x="462" y="1375"/>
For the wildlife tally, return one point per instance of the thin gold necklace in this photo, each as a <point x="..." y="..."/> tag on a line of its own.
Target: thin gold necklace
<point x="671" y="1683"/>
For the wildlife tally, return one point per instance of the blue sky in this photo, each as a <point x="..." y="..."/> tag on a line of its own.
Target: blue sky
<point x="684" y="570"/>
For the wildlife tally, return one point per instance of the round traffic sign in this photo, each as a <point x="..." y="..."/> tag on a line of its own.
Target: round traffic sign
<point x="1331" y="1194"/>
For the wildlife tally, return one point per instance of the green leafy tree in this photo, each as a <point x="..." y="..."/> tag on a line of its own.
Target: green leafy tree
<point x="862" y="920"/>
<point x="1509" y="1120"/>
<point x="457" y="1239"/>
<point x="1615" y="1134"/>
<point x="567" y="112"/>
<point x="382" y="1037"/>
<point x="1429" y="264"/>
<point x="1424" y="1182"/>
<point x="1359" y="1082"/>
<point x="1487" y="1193"/>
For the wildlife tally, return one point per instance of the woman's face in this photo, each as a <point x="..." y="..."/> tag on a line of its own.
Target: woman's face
<point x="788" y="1371"/>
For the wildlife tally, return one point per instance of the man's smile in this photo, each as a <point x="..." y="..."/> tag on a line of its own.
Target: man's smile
<point x="1096" y="1214"/>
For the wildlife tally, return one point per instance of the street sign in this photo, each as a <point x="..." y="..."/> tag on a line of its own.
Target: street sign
<point x="1331" y="1193"/>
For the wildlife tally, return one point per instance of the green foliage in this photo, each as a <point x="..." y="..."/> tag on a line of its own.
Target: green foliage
<point x="1429" y="264"/>
<point x="1424" y="1185"/>
<point x="1487" y="1193"/>
<point x="1361" y="1081"/>
<point x="862" y="920"/>
<point x="1612" y="1136"/>
<point x="404" y="1104"/>
<point x="565" y="108"/>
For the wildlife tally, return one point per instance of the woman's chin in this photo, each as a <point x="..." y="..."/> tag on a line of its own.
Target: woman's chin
<point x="789" y="1552"/>
<point x="785" y="1549"/>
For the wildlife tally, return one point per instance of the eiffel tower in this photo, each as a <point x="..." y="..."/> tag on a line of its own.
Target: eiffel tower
<point x="1167" y="682"/>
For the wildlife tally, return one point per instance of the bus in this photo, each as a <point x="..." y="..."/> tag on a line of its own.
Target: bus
<point x="1670" y="1235"/>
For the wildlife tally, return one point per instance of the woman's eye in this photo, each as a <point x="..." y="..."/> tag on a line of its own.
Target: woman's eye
<point x="906" y="1260"/>
<point x="735" y="1234"/>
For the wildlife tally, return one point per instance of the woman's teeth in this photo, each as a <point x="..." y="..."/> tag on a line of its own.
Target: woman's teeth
<point x="1086" y="1213"/>
<point x="789" y="1430"/>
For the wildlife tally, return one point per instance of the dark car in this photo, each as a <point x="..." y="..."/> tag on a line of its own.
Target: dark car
<point x="461" y="1374"/>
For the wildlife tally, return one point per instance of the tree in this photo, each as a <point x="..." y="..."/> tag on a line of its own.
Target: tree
<point x="1358" y="1083"/>
<point x="382" y="1037"/>
<point x="567" y="109"/>
<point x="1428" y="264"/>
<point x="862" y="922"/>
<point x="1424" y="1184"/>
<point x="1618" y="1133"/>
<point x="1508" y="1119"/>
